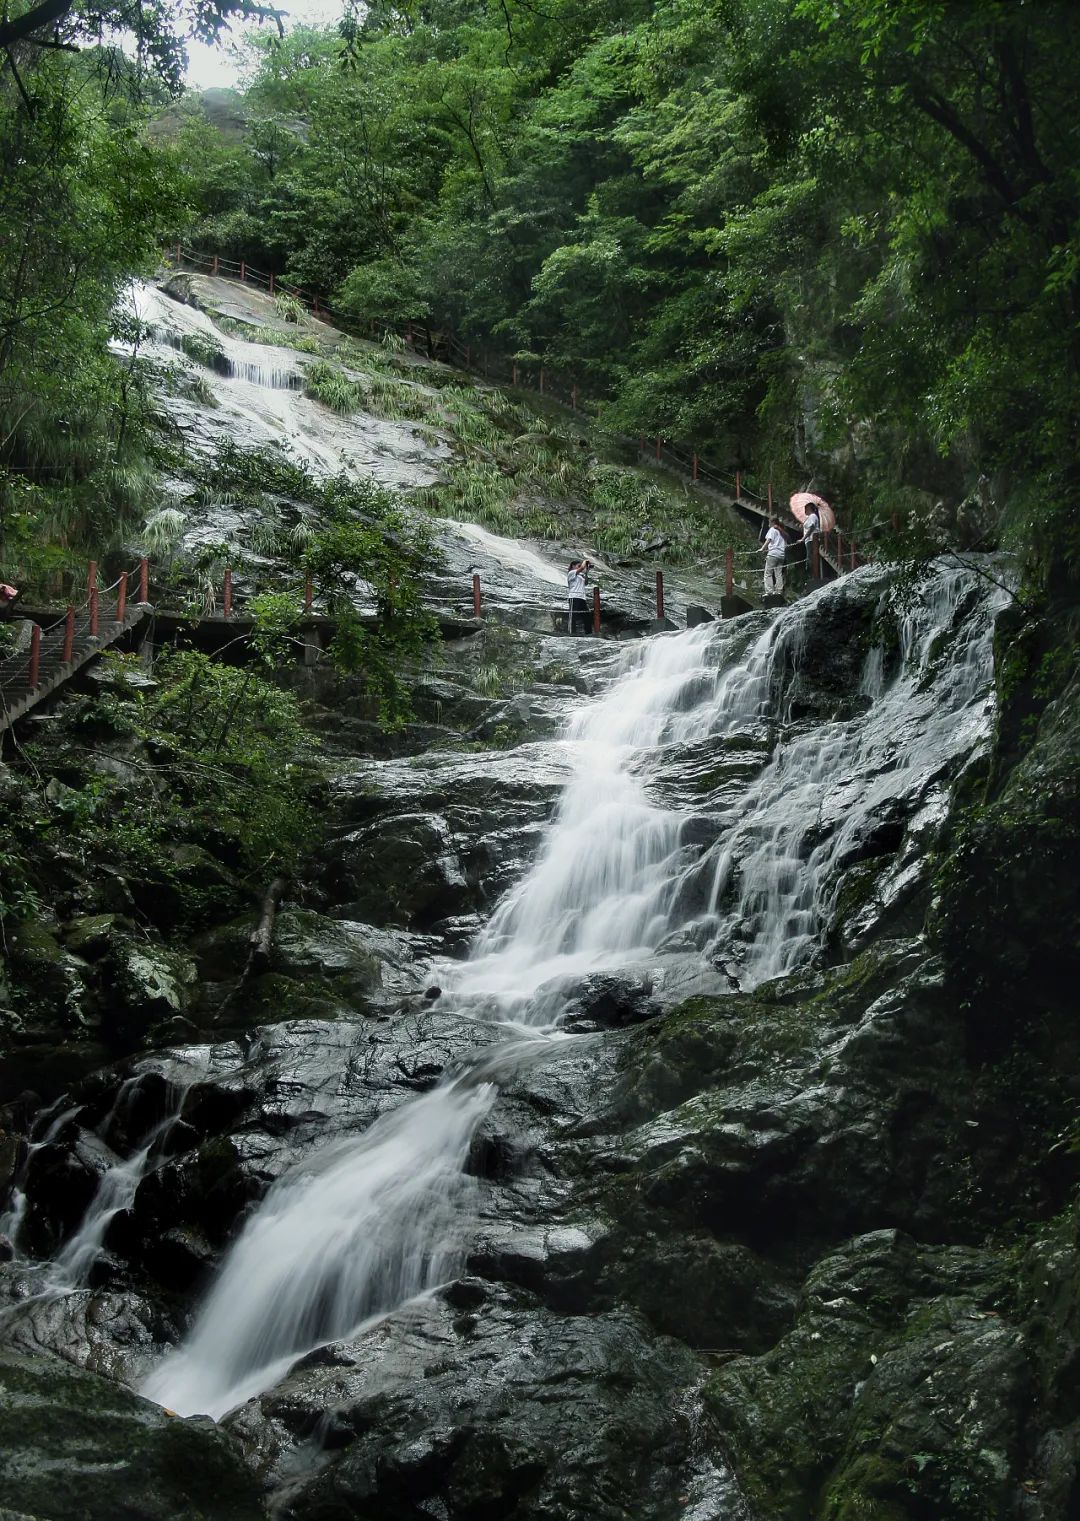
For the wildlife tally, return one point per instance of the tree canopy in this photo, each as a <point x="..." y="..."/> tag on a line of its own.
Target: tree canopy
<point x="837" y="237"/>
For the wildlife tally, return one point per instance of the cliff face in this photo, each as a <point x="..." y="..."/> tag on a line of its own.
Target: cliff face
<point x="785" y="1228"/>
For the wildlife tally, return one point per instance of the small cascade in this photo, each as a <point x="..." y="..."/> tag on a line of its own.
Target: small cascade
<point x="778" y="870"/>
<point x="72" y="1268"/>
<point x="258" y="399"/>
<point x="50" y="1124"/>
<point x="364" y="1226"/>
<point x="372" y="1222"/>
<point x="256" y="372"/>
<point x="73" y="1265"/>
<point x="275" y="377"/>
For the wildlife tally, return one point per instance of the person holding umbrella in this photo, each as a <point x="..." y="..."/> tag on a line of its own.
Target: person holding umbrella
<point x="816" y="516"/>
<point x="810" y="528"/>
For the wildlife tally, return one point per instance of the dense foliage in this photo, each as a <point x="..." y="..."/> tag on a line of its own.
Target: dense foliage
<point x="84" y="203"/>
<point x="835" y="237"/>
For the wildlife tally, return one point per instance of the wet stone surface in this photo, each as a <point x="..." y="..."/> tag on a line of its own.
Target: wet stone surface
<point x="714" y="1228"/>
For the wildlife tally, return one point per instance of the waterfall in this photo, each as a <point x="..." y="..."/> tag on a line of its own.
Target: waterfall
<point x="778" y="868"/>
<point x="370" y="1222"/>
<point x="374" y="1221"/>
<point x="258" y="401"/>
<point x="357" y="1230"/>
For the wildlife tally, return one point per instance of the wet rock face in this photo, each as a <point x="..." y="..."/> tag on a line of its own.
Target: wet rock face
<point x="480" y="1404"/>
<point x="75" y="1447"/>
<point x="402" y="871"/>
<point x="777" y="1198"/>
<point x="900" y="1391"/>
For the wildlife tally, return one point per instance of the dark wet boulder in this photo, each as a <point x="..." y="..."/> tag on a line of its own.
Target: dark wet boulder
<point x="612" y="1000"/>
<point x="900" y="1391"/>
<point x="483" y="1405"/>
<point x="76" y="1447"/>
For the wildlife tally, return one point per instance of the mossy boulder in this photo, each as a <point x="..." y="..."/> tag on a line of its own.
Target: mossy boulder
<point x="900" y="1392"/>
<point x="75" y="1447"/>
<point x="308" y="944"/>
<point x="1009" y="916"/>
<point x="51" y="982"/>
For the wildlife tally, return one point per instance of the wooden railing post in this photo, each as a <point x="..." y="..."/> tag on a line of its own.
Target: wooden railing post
<point x="69" y="634"/>
<point x="121" y="597"/>
<point x="309" y="593"/>
<point x="596" y="609"/>
<point x="144" y="579"/>
<point x="659" y="594"/>
<point x="694" y="470"/>
<point x="91" y="577"/>
<point x="226" y="606"/>
<point x="271" y="282"/>
<point x="214" y="265"/>
<point x="659" y="447"/>
<point x="839" y="553"/>
<point x="476" y="594"/>
<point x="853" y="554"/>
<point x="738" y="485"/>
<point x="815" y="559"/>
<point x="94" y="612"/>
<point x="243" y="270"/>
<point x="35" y="656"/>
<point x="729" y="573"/>
<point x="770" y="498"/>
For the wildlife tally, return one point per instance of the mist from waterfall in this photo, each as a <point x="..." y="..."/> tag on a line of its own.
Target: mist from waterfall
<point x="371" y="1222"/>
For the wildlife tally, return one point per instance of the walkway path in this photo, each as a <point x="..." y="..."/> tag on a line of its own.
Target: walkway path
<point x="18" y="690"/>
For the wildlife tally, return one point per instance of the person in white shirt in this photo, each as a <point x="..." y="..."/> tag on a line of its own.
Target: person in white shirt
<point x="810" y="529"/>
<point x="774" y="548"/>
<point x="577" y="576"/>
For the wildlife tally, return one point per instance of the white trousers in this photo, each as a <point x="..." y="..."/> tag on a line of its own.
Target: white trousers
<point x="774" y="575"/>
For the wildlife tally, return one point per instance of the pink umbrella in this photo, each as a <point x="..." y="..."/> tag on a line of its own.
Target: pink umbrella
<point x="826" y="516"/>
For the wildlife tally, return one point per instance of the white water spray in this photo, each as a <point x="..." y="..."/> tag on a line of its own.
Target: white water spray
<point x="357" y="1230"/>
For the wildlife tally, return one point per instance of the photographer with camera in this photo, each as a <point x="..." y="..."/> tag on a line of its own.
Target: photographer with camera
<point x="577" y="578"/>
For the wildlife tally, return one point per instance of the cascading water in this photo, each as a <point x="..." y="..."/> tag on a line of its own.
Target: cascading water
<point x="372" y="1222"/>
<point x="258" y="399"/>
<point x="72" y="1267"/>
<point x="777" y="870"/>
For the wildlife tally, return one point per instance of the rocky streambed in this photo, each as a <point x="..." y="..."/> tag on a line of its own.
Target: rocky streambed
<point x="607" y="1136"/>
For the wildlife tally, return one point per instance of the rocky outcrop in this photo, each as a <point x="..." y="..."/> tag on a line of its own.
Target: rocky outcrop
<point x="804" y="1250"/>
<point x="478" y="1404"/>
<point x="76" y="1447"/>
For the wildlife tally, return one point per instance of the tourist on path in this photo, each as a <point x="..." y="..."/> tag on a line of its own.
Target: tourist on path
<point x="811" y="529"/>
<point x="577" y="576"/>
<point x="774" y="547"/>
